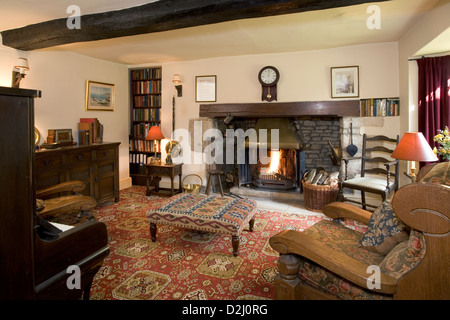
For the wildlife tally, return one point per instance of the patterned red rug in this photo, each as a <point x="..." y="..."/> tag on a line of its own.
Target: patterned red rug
<point x="186" y="264"/>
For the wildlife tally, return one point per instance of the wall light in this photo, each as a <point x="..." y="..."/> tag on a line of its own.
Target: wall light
<point x="177" y="82"/>
<point x="22" y="66"/>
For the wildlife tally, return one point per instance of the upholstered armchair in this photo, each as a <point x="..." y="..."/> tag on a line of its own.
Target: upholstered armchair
<point x="401" y="251"/>
<point x="64" y="199"/>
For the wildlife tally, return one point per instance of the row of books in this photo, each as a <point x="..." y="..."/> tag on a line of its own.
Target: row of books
<point x="137" y="161"/>
<point x="144" y="146"/>
<point x="140" y="130"/>
<point x="146" y="74"/>
<point x="385" y="107"/>
<point x="146" y="87"/>
<point x="146" y="114"/>
<point x="90" y="130"/>
<point x="147" y="101"/>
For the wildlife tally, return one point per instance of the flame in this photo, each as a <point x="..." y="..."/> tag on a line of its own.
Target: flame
<point x="274" y="161"/>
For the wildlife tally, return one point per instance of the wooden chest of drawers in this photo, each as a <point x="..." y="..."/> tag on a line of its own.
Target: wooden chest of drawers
<point x="97" y="165"/>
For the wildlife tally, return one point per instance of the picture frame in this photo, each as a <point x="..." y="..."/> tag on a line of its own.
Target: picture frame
<point x="206" y="88"/>
<point x="63" y="135"/>
<point x="345" y="82"/>
<point x="100" y="96"/>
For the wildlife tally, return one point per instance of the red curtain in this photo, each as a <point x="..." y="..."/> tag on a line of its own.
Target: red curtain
<point x="434" y="96"/>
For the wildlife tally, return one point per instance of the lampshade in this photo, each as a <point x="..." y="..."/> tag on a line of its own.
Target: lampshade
<point x="176" y="79"/>
<point x="155" y="134"/>
<point x="22" y="64"/>
<point x="414" y="147"/>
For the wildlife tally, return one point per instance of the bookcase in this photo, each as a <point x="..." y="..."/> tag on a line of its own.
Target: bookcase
<point x="145" y="112"/>
<point x="380" y="107"/>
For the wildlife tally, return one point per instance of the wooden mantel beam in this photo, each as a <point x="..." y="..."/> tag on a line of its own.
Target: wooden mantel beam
<point x="158" y="16"/>
<point x="335" y="108"/>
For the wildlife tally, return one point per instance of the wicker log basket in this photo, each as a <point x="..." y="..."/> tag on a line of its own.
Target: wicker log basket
<point x="317" y="196"/>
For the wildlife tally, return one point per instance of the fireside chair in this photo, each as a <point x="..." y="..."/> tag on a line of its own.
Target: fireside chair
<point x="378" y="174"/>
<point x="64" y="200"/>
<point x="331" y="261"/>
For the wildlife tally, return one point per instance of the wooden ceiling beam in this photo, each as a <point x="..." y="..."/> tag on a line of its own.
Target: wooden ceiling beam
<point x="158" y="16"/>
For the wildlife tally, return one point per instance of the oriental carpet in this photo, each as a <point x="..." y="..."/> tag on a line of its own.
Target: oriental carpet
<point x="186" y="264"/>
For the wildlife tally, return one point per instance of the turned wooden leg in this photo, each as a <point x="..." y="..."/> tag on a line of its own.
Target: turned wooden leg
<point x="252" y="223"/>
<point x="235" y="243"/>
<point x="87" y="291"/>
<point x="153" y="229"/>
<point x="287" y="282"/>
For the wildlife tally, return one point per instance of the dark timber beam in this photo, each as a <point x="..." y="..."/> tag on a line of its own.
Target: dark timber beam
<point x="158" y="16"/>
<point x="337" y="108"/>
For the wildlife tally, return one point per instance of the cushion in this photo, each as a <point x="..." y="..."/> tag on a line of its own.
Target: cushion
<point x="384" y="230"/>
<point x="330" y="283"/>
<point x="405" y="256"/>
<point x="365" y="182"/>
<point x="341" y="238"/>
<point x="440" y="173"/>
<point x="346" y="240"/>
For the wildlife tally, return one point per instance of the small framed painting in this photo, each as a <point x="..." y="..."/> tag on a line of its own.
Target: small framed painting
<point x="99" y="96"/>
<point x="345" y="82"/>
<point x="205" y="88"/>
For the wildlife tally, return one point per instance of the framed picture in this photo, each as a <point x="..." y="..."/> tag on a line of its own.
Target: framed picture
<point x="205" y="88"/>
<point x="345" y="82"/>
<point x="99" y="96"/>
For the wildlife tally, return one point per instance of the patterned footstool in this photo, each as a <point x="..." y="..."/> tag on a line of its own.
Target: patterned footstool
<point x="206" y="213"/>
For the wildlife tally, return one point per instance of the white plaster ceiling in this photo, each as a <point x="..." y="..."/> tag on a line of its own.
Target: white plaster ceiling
<point x="287" y="33"/>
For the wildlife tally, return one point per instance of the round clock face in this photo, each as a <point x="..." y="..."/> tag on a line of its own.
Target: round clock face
<point x="268" y="75"/>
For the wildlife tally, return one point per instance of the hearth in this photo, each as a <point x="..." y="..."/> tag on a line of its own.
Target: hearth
<point x="281" y="173"/>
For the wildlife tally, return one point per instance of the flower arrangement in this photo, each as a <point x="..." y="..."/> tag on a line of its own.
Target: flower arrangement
<point x="443" y="139"/>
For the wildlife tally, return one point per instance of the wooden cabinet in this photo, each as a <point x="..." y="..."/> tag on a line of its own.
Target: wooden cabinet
<point x="97" y="165"/>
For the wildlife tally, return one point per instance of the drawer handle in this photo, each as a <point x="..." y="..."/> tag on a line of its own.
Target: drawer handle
<point x="80" y="157"/>
<point x="105" y="153"/>
<point x="47" y="162"/>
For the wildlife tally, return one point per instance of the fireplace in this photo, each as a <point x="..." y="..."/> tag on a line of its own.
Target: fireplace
<point x="315" y="127"/>
<point x="281" y="165"/>
<point x="281" y="173"/>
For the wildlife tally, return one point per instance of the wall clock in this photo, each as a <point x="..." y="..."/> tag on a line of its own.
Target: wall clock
<point x="268" y="77"/>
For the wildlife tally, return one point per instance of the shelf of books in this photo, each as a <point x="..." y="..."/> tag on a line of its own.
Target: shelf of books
<point x="380" y="107"/>
<point x="145" y="112"/>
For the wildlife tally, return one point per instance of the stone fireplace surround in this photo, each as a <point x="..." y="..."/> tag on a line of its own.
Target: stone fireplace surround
<point x="317" y="122"/>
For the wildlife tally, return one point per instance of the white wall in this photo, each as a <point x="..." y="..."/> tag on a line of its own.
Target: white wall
<point x="305" y="76"/>
<point x="61" y="76"/>
<point x="428" y="28"/>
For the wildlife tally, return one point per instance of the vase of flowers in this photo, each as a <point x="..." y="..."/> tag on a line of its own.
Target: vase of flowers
<point x="443" y="139"/>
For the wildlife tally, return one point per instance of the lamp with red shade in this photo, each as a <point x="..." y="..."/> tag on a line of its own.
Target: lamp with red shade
<point x="414" y="147"/>
<point x="155" y="134"/>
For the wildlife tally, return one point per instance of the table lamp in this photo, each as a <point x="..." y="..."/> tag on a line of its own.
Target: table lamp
<point x="155" y="134"/>
<point x="414" y="147"/>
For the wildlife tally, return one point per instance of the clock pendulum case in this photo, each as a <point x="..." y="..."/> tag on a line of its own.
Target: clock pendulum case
<point x="268" y="77"/>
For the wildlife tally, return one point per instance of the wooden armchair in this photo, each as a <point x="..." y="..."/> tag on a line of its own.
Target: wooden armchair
<point x="64" y="199"/>
<point x="327" y="260"/>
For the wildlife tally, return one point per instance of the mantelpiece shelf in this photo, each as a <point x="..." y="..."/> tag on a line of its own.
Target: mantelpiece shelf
<point x="340" y="108"/>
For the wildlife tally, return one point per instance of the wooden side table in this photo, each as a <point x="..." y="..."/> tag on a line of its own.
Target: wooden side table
<point x="163" y="170"/>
